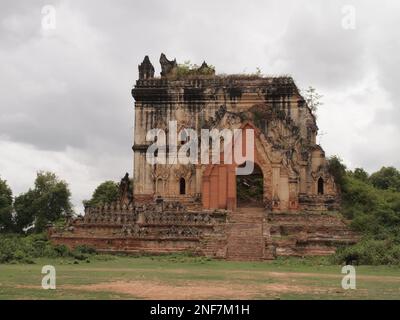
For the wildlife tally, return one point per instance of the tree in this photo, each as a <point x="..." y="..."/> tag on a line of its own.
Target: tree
<point x="338" y="170"/>
<point x="386" y="178"/>
<point x="47" y="202"/>
<point x="105" y="193"/>
<point x="6" y="200"/>
<point x="360" y="174"/>
<point x="359" y="198"/>
<point x="313" y="99"/>
<point x="24" y="210"/>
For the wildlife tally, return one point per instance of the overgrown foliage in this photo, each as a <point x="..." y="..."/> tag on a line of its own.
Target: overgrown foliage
<point x="374" y="210"/>
<point x="386" y="178"/>
<point x="189" y="69"/>
<point x="250" y="190"/>
<point x="338" y="170"/>
<point x="313" y="99"/>
<point x="24" y="249"/>
<point x="369" y="252"/>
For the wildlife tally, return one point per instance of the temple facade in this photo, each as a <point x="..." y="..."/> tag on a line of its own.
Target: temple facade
<point x="287" y="205"/>
<point x="293" y="166"/>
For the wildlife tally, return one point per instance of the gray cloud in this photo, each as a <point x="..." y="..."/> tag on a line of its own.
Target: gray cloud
<point x="316" y="48"/>
<point x="66" y="104"/>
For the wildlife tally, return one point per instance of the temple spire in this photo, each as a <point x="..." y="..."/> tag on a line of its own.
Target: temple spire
<point x="146" y="69"/>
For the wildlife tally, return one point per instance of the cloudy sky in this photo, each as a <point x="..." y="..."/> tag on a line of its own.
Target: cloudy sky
<point x="65" y="102"/>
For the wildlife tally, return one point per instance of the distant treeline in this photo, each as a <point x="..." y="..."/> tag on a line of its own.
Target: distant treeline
<point x="47" y="202"/>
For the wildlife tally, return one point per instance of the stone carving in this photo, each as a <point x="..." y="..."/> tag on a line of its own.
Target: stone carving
<point x="168" y="68"/>
<point x="205" y="69"/>
<point x="184" y="171"/>
<point x="134" y="231"/>
<point x="215" y="120"/>
<point x="180" y="232"/>
<point x="125" y="191"/>
<point x="289" y="162"/>
<point x="146" y="69"/>
<point x="161" y="171"/>
<point x="168" y="217"/>
<point x="173" y="206"/>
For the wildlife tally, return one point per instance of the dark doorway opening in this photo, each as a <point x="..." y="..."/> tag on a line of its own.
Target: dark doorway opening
<point x="250" y="188"/>
<point x="182" y="186"/>
<point x="320" y="186"/>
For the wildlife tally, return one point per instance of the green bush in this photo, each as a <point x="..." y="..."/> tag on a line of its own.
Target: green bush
<point x="369" y="252"/>
<point x="82" y="252"/>
<point x="85" y="249"/>
<point x="62" y="250"/>
<point x="24" y="249"/>
<point x="374" y="211"/>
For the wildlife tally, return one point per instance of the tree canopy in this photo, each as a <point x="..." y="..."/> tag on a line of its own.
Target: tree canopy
<point x="47" y="202"/>
<point x="337" y="169"/>
<point x="105" y="193"/>
<point x="6" y="201"/>
<point x="386" y="178"/>
<point x="372" y="204"/>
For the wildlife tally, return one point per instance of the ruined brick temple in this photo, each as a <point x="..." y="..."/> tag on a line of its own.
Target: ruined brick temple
<point x="288" y="206"/>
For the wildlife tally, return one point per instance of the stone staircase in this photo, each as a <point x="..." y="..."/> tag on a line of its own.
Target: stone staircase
<point x="245" y="234"/>
<point x="188" y="201"/>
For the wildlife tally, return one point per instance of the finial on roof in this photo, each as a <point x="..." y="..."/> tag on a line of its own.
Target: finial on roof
<point x="168" y="68"/>
<point x="146" y="69"/>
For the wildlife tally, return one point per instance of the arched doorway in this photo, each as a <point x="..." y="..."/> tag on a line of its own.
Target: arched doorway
<point x="250" y="188"/>
<point x="320" y="186"/>
<point x="219" y="182"/>
<point x="182" y="186"/>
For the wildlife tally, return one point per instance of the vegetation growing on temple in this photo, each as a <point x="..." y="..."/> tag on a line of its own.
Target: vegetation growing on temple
<point x="189" y="69"/>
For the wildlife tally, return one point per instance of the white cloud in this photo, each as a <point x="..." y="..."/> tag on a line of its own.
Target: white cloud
<point x="348" y="119"/>
<point x="82" y="171"/>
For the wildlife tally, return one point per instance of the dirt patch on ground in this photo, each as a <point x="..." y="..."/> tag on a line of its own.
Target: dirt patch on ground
<point x="253" y="273"/>
<point x="324" y="275"/>
<point x="195" y="289"/>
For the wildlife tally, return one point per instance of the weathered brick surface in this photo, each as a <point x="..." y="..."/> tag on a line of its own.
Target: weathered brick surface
<point x="293" y="165"/>
<point x="308" y="233"/>
<point x="244" y="234"/>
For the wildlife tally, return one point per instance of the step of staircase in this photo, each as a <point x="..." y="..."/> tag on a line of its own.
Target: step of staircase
<point x="188" y="201"/>
<point x="308" y="233"/>
<point x="245" y="234"/>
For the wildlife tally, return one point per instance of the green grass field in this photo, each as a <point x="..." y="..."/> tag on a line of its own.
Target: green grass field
<point x="184" y="277"/>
